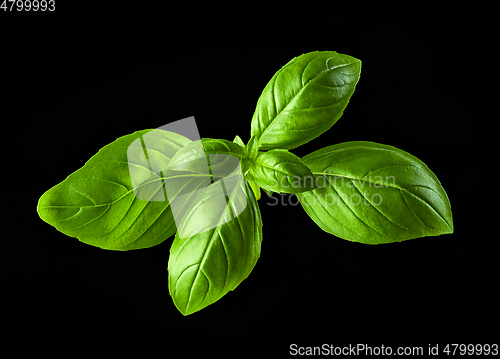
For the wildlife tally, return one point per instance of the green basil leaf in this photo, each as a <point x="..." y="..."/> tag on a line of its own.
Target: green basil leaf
<point x="255" y="188"/>
<point x="304" y="99"/>
<point x="251" y="149"/>
<point x="206" y="265"/>
<point x="208" y="155"/>
<point x="99" y="204"/>
<point x="239" y="141"/>
<point x="373" y="193"/>
<point x="249" y="154"/>
<point x="282" y="171"/>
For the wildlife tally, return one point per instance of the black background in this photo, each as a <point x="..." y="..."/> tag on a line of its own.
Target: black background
<point x="75" y="80"/>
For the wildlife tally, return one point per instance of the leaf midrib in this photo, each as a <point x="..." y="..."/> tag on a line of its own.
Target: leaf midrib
<point x="126" y="193"/>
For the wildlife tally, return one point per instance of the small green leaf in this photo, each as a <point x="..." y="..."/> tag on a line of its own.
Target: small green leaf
<point x="251" y="149"/>
<point x="219" y="157"/>
<point x="204" y="266"/>
<point x="304" y="99"/>
<point x="249" y="154"/>
<point x="373" y="193"/>
<point x="99" y="204"/>
<point x="239" y="141"/>
<point x="281" y="171"/>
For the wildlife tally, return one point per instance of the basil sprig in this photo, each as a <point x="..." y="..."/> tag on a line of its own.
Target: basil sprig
<point x="359" y="191"/>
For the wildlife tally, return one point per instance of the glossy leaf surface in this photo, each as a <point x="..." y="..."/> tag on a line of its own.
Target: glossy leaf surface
<point x="373" y="193"/>
<point x="304" y="99"/>
<point x="205" y="266"/>
<point x="99" y="204"/>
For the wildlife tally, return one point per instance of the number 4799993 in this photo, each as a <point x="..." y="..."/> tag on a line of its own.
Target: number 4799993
<point x="28" y="5"/>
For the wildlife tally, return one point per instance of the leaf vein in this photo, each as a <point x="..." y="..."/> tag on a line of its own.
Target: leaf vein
<point x="375" y="207"/>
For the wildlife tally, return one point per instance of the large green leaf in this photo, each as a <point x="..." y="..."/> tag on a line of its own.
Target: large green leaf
<point x="304" y="99"/>
<point x="117" y="200"/>
<point x="206" y="262"/>
<point x="281" y="171"/>
<point x="373" y="193"/>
